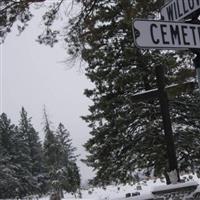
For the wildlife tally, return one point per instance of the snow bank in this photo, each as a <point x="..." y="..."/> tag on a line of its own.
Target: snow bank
<point x="175" y="186"/>
<point x="119" y="192"/>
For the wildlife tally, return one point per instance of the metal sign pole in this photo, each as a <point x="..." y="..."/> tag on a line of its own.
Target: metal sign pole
<point x="169" y="138"/>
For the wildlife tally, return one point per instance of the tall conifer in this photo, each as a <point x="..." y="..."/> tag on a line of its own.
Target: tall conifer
<point x="32" y="148"/>
<point x="69" y="172"/>
<point x="9" y="181"/>
<point x="53" y="157"/>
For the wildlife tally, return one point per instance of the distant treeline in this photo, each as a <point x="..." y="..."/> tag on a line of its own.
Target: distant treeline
<point x="29" y="167"/>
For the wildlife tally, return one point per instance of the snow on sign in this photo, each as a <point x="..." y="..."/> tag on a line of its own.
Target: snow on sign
<point x="165" y="35"/>
<point x="177" y="10"/>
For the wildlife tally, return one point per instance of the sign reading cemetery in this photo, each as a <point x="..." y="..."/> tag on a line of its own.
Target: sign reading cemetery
<point x="166" y="35"/>
<point x="177" y="10"/>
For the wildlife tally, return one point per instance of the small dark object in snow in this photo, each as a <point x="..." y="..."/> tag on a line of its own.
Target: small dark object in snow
<point x="128" y="195"/>
<point x="55" y="196"/>
<point x="135" y="194"/>
<point x="132" y="194"/>
<point x="139" y="187"/>
<point x="89" y="192"/>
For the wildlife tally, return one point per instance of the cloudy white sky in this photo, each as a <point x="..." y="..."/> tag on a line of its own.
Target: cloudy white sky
<point x="34" y="75"/>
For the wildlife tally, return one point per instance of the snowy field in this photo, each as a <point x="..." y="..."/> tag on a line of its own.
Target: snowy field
<point x="119" y="192"/>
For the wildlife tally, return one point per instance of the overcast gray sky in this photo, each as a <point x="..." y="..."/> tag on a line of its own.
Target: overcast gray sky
<point x="33" y="75"/>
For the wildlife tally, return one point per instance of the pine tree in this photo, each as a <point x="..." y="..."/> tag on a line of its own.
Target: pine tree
<point x="16" y="179"/>
<point x="128" y="136"/>
<point x="9" y="181"/>
<point x="74" y="178"/>
<point x="51" y="155"/>
<point x="20" y="12"/>
<point x="32" y="148"/>
<point x="68" y="151"/>
<point x="69" y="176"/>
<point x="10" y="12"/>
<point x="63" y="173"/>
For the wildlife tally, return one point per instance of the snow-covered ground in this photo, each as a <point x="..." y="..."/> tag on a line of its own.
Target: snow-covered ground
<point x="119" y="192"/>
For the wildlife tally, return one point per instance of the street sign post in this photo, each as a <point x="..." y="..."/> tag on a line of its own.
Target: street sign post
<point x="169" y="34"/>
<point x="177" y="10"/>
<point x="166" y="35"/>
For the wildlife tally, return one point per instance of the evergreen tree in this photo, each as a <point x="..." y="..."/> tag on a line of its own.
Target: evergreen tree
<point x="9" y="181"/>
<point x="32" y="148"/>
<point x="23" y="157"/>
<point x="51" y="155"/>
<point x="69" y="176"/>
<point x="68" y="151"/>
<point x="74" y="179"/>
<point x="14" y="11"/>
<point x="63" y="173"/>
<point x="10" y="12"/>
<point x="20" y="12"/>
<point x="128" y="136"/>
<point x="20" y="158"/>
<point x="26" y="157"/>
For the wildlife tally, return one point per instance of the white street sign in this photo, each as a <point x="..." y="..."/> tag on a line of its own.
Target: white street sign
<point x="166" y="35"/>
<point x="177" y="10"/>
